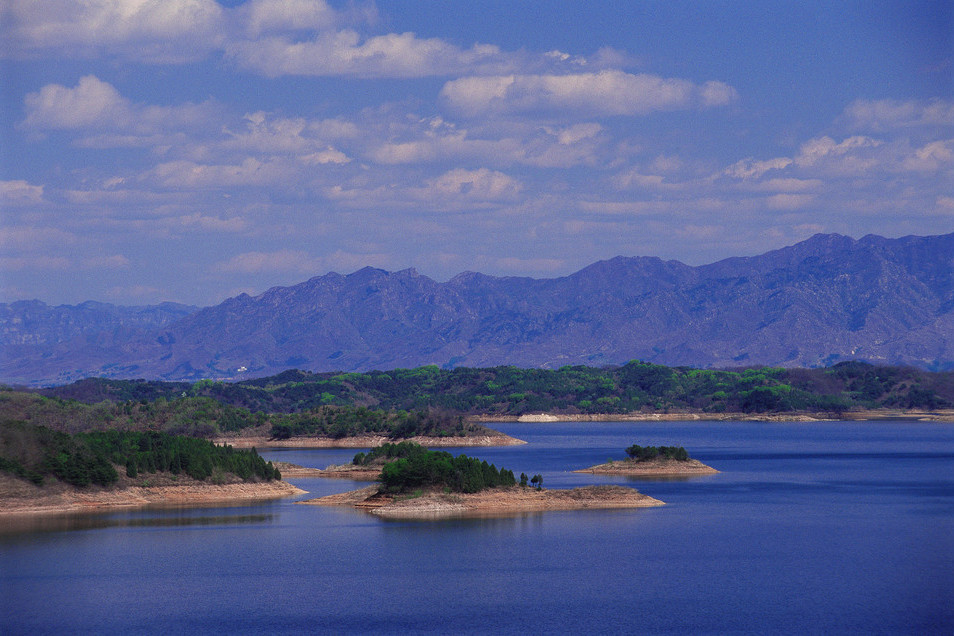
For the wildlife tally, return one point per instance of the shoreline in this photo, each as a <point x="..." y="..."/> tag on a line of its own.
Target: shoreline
<point x="367" y="441"/>
<point x="651" y="468"/>
<point x="20" y="498"/>
<point x="487" y="503"/>
<point x="939" y="415"/>
<point x="343" y="471"/>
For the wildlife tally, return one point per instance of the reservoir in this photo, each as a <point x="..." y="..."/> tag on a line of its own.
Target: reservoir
<point x="826" y="527"/>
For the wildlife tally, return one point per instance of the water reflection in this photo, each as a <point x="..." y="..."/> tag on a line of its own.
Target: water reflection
<point x="68" y="522"/>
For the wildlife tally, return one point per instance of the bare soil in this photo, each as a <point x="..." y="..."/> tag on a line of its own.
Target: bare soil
<point x="18" y="496"/>
<point x="367" y="441"/>
<point x="492" y="502"/>
<point x="939" y="415"/>
<point x="659" y="467"/>
<point x="344" y="471"/>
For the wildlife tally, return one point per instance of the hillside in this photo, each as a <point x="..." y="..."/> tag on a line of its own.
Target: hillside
<point x="437" y="394"/>
<point x="827" y="299"/>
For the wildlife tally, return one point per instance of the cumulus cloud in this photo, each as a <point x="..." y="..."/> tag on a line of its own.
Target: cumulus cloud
<point x="150" y="30"/>
<point x="888" y="114"/>
<point x="476" y="185"/>
<point x="435" y="140"/>
<point x="308" y="140"/>
<point x="609" y="92"/>
<point x="20" y="192"/>
<point x="17" y="263"/>
<point x="250" y="172"/>
<point x="752" y="169"/>
<point x="266" y="16"/>
<point x="22" y="236"/>
<point x="114" y="261"/>
<point x="95" y="104"/>
<point x="345" y="52"/>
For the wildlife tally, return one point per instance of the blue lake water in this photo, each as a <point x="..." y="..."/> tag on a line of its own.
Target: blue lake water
<point x="809" y="528"/>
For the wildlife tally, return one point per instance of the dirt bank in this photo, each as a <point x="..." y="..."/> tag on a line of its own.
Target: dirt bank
<point x="367" y="441"/>
<point x="651" y="468"/>
<point x="344" y="471"/>
<point x="493" y="502"/>
<point x="940" y="415"/>
<point x="21" y="497"/>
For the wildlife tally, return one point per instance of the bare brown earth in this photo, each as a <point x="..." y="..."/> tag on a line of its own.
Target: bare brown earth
<point x="22" y="497"/>
<point x="492" y="502"/>
<point x="367" y="441"/>
<point x="344" y="471"/>
<point x="939" y="415"/>
<point x="659" y="467"/>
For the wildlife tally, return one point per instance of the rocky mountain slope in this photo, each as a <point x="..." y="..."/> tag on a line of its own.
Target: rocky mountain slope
<point x="823" y="300"/>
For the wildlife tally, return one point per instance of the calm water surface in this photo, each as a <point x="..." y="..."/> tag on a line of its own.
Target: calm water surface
<point x="809" y="528"/>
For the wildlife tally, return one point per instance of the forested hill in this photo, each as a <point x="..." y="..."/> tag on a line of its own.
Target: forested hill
<point x="636" y="386"/>
<point x="821" y="301"/>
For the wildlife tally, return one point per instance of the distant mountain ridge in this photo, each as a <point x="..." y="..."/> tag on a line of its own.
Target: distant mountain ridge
<point x="823" y="300"/>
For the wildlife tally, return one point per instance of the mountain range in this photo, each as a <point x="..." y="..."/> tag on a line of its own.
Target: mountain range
<point x="827" y="299"/>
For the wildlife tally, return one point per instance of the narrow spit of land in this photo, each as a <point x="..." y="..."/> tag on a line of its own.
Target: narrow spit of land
<point x="19" y="497"/>
<point x="937" y="415"/>
<point x="490" y="502"/>
<point x="659" y="467"/>
<point x="368" y="441"/>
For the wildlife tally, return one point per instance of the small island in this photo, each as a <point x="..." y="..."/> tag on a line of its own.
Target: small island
<point x="425" y="484"/>
<point x="653" y="461"/>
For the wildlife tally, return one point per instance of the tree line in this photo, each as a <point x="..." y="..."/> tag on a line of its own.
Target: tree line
<point x="36" y="453"/>
<point x="205" y="417"/>
<point x="439" y="469"/>
<point x="507" y="390"/>
<point x="645" y="453"/>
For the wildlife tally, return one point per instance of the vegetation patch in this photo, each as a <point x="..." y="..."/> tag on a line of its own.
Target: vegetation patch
<point x="36" y="453"/>
<point x="428" y="400"/>
<point x="647" y="453"/>
<point x="441" y="470"/>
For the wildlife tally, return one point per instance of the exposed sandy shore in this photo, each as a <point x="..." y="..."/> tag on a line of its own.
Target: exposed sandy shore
<point x="19" y="497"/>
<point x="367" y="441"/>
<point x="493" y="502"/>
<point x="940" y="415"/>
<point x="651" y="468"/>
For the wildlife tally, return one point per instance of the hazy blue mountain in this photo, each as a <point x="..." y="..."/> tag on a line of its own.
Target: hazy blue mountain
<point x="826" y="299"/>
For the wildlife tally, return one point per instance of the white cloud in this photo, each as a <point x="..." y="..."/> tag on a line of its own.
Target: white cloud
<point x="267" y="16"/>
<point x="20" y="192"/>
<point x="814" y="150"/>
<point x="610" y="92"/>
<point x="751" y="169"/>
<point x="346" y="53"/>
<point x="18" y="263"/>
<point x="115" y="261"/>
<point x="297" y="261"/>
<point x="931" y="157"/>
<point x="22" y="237"/>
<point x="97" y="105"/>
<point x="789" y="201"/>
<point x="151" y="30"/>
<point x="887" y="114"/>
<point x="250" y="172"/>
<point x="475" y="185"/>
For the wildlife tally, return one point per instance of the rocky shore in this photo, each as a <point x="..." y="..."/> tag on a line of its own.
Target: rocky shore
<point x="939" y="415"/>
<point x="658" y="467"/>
<point x="18" y="497"/>
<point x="492" y="502"/>
<point x="343" y="471"/>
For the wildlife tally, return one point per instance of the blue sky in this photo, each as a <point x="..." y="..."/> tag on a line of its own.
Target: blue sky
<point x="190" y="150"/>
